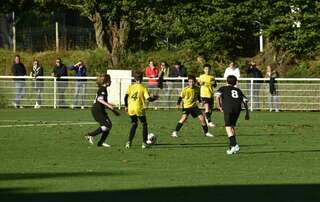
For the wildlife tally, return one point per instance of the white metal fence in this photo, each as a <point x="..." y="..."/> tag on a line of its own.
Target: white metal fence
<point x="293" y="94"/>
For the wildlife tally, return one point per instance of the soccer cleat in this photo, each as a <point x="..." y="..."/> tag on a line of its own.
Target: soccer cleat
<point x="90" y="139"/>
<point x="104" y="145"/>
<point x="82" y="107"/>
<point x="277" y="110"/>
<point x="36" y="106"/>
<point x="211" y="125"/>
<point x="14" y="105"/>
<point x="208" y="135"/>
<point x="233" y="150"/>
<point x="145" y="146"/>
<point x="174" y="134"/>
<point x="128" y="145"/>
<point x="72" y="106"/>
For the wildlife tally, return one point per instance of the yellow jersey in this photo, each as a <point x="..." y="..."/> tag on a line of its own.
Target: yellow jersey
<point x="206" y="82"/>
<point x="137" y="94"/>
<point x="190" y="96"/>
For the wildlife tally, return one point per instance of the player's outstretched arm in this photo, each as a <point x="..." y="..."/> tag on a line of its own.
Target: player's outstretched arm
<point x="247" y="117"/>
<point x="219" y="101"/>
<point x="153" y="98"/>
<point x="109" y="106"/>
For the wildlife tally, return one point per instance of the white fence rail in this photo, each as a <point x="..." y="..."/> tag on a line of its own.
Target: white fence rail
<point x="293" y="94"/>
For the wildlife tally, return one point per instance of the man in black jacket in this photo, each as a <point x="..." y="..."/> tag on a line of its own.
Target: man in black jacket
<point x="18" y="69"/>
<point x="60" y="70"/>
<point x="253" y="72"/>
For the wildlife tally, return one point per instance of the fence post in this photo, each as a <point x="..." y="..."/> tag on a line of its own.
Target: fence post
<point x="120" y="88"/>
<point x="251" y="94"/>
<point x="14" y="42"/>
<point x="54" y="92"/>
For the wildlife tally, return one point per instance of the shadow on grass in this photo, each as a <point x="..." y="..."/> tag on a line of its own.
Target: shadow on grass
<point x="224" y="193"/>
<point x="282" y="151"/>
<point x="30" y="176"/>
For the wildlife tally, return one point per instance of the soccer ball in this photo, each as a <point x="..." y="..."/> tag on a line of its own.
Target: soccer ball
<point x="152" y="139"/>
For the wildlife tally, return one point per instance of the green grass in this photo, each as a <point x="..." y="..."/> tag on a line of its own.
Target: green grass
<point x="279" y="159"/>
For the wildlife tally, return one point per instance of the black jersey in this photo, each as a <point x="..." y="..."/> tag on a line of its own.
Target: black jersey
<point x="232" y="98"/>
<point x="101" y="94"/>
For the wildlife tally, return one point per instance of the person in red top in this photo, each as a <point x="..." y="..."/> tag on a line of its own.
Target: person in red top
<point x="152" y="72"/>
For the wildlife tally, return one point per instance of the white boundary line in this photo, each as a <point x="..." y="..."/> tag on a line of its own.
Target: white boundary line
<point x="46" y="124"/>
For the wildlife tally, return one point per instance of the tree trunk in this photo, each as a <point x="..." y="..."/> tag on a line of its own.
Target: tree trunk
<point x="99" y="30"/>
<point x="118" y="37"/>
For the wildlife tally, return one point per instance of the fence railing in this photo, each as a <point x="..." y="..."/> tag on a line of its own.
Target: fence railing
<point x="292" y="94"/>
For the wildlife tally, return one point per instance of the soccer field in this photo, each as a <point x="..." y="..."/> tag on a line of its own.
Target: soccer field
<point x="45" y="157"/>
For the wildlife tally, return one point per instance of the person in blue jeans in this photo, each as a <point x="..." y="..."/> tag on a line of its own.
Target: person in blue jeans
<point x="18" y="69"/>
<point x="81" y="84"/>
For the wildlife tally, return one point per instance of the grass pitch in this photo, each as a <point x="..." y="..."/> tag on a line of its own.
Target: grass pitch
<point x="44" y="157"/>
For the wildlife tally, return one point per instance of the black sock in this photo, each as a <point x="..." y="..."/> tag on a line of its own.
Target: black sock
<point x="208" y="116"/>
<point x="132" y="131"/>
<point x="96" y="132"/>
<point x="205" y="128"/>
<point x="145" y="132"/>
<point x="103" y="137"/>
<point x="179" y="126"/>
<point x="232" y="141"/>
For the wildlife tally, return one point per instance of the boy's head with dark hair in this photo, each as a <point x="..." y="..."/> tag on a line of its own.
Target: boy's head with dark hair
<point x="207" y="65"/>
<point x="232" y="80"/>
<point x="103" y="79"/>
<point x="138" y="76"/>
<point x="191" y="77"/>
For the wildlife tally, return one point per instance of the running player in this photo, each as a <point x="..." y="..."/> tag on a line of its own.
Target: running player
<point x="189" y="97"/>
<point x="99" y="113"/>
<point x="229" y="100"/>
<point x="207" y="83"/>
<point x="134" y="100"/>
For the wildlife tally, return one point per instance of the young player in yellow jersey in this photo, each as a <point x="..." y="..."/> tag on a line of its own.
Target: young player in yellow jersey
<point x="207" y="83"/>
<point x="189" y="97"/>
<point x="134" y="100"/>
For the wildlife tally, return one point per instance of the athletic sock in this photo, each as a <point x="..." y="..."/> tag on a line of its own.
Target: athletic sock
<point x="132" y="132"/>
<point x="179" y="126"/>
<point x="96" y="132"/>
<point x="232" y="141"/>
<point x="205" y="128"/>
<point x="103" y="137"/>
<point x="208" y="116"/>
<point x="145" y="132"/>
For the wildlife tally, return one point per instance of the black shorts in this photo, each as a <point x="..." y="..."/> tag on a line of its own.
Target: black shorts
<point x="231" y="118"/>
<point x="206" y="100"/>
<point x="134" y="119"/>
<point x="194" y="111"/>
<point x="102" y="118"/>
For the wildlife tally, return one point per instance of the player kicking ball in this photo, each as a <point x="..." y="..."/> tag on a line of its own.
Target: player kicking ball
<point x="207" y="83"/>
<point x="134" y="101"/>
<point x="189" y="97"/>
<point x="99" y="113"/>
<point x="229" y="100"/>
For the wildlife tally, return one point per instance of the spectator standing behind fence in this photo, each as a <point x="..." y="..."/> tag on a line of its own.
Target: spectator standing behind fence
<point x="81" y="84"/>
<point x="60" y="70"/>
<point x="254" y="72"/>
<point x="273" y="100"/>
<point x="38" y="83"/>
<point x="152" y="72"/>
<point x="163" y="84"/>
<point x="178" y="71"/>
<point x="18" y="69"/>
<point x="232" y="69"/>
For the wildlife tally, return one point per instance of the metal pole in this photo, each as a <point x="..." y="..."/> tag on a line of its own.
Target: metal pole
<point x="120" y="93"/>
<point x="57" y="37"/>
<point x="13" y="33"/>
<point x="261" y="41"/>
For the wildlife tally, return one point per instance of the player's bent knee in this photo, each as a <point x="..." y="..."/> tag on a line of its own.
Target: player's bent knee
<point x="104" y="128"/>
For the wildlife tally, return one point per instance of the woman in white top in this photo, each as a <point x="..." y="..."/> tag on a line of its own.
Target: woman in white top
<point x="232" y="70"/>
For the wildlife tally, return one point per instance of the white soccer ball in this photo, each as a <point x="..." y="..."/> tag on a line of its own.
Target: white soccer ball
<point x="152" y="139"/>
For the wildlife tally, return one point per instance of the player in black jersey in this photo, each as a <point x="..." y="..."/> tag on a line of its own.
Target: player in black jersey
<point x="99" y="113"/>
<point x="229" y="101"/>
